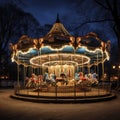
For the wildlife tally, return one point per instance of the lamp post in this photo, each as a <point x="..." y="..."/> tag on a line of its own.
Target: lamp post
<point x="116" y="69"/>
<point x="119" y="72"/>
<point x="116" y="74"/>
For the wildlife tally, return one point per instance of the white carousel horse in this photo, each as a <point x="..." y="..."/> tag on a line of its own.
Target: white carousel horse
<point x="93" y="78"/>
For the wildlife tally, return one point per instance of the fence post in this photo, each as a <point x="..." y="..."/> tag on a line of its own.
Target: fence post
<point x="110" y="89"/>
<point x="98" y="90"/>
<point x="56" y="91"/>
<point x="74" y="90"/>
<point x="38" y="90"/>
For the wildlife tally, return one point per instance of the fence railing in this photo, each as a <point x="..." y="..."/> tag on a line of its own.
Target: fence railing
<point x="55" y="91"/>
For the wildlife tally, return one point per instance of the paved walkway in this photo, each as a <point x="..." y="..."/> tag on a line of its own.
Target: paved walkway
<point x="11" y="109"/>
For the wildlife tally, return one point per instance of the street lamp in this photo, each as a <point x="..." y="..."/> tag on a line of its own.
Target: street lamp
<point x="116" y="75"/>
<point x="119" y="72"/>
<point x="113" y="66"/>
<point x="119" y="66"/>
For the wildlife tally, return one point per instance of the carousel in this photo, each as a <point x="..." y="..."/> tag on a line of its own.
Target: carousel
<point x="60" y="60"/>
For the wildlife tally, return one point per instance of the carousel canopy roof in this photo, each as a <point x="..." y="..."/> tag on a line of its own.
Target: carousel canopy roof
<point x="57" y="36"/>
<point x="58" y="45"/>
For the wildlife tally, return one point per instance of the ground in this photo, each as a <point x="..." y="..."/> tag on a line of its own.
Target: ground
<point x="11" y="109"/>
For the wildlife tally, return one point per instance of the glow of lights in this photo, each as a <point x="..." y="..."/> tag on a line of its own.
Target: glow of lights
<point x="86" y="48"/>
<point x="97" y="49"/>
<point x="12" y="59"/>
<point x="54" y="55"/>
<point x="68" y="62"/>
<point x="56" y="49"/>
<point x="119" y="66"/>
<point x="108" y="57"/>
<point x="20" y="51"/>
<point x="113" y="66"/>
<point x="59" y="66"/>
<point x="91" y="51"/>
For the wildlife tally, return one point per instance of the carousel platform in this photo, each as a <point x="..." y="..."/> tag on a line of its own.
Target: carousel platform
<point x="78" y="97"/>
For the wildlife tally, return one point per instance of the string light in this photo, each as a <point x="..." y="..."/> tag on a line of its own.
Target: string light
<point x="75" y="59"/>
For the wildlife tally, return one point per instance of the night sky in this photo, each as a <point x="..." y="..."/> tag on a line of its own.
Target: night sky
<point x="72" y="13"/>
<point x="45" y="11"/>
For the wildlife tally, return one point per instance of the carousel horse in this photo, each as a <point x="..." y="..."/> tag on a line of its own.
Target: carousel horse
<point x="81" y="77"/>
<point x="93" y="78"/>
<point x="52" y="79"/>
<point x="40" y="79"/>
<point x="32" y="81"/>
<point x="71" y="82"/>
<point x="46" y="78"/>
<point x="49" y="79"/>
<point x="77" y="76"/>
<point x="27" y="82"/>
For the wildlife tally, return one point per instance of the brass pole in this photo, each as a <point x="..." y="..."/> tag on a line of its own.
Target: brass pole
<point x="24" y="74"/>
<point x="18" y="82"/>
<point x="102" y="65"/>
<point x="97" y="66"/>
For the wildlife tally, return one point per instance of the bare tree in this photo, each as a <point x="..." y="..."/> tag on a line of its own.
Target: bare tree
<point x="14" y="22"/>
<point x="111" y="7"/>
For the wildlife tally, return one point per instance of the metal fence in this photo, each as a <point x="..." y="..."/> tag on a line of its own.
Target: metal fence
<point x="75" y="91"/>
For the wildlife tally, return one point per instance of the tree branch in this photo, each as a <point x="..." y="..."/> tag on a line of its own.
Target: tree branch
<point x="109" y="5"/>
<point x="93" y="21"/>
<point x="101" y="4"/>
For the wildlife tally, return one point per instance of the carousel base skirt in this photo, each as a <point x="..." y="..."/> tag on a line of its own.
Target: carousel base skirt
<point x="71" y="97"/>
<point x="64" y="91"/>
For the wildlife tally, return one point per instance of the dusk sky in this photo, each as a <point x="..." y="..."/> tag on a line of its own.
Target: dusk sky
<point x="72" y="12"/>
